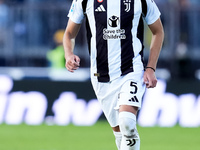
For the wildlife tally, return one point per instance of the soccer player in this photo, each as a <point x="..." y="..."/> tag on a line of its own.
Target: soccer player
<point x="115" y="40"/>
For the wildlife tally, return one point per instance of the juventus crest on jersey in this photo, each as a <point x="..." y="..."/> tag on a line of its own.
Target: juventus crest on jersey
<point x="115" y="34"/>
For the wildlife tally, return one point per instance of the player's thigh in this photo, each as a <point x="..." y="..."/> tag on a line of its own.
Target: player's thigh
<point x="128" y="108"/>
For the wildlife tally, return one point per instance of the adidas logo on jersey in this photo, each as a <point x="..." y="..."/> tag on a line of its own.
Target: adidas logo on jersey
<point x="100" y="9"/>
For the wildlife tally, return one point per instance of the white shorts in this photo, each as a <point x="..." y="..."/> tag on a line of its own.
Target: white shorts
<point x="125" y="90"/>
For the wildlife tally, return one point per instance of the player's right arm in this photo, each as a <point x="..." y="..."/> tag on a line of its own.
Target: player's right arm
<point x="72" y="61"/>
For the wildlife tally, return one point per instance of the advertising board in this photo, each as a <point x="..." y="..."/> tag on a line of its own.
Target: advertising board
<point x="37" y="101"/>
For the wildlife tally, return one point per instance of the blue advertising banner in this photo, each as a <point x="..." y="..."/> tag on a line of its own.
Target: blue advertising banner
<point x="37" y="101"/>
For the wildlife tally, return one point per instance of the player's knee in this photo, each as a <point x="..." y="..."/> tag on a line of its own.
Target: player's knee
<point x="127" y="123"/>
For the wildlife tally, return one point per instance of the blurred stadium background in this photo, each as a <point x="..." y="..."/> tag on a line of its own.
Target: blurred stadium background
<point x="36" y="89"/>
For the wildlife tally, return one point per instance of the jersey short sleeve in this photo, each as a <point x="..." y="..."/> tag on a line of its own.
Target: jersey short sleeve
<point x="153" y="12"/>
<point x="76" y="12"/>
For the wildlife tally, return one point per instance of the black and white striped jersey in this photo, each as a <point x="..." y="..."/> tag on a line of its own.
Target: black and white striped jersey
<point x="115" y="33"/>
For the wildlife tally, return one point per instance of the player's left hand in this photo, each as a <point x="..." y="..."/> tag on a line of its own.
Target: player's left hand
<point x="150" y="78"/>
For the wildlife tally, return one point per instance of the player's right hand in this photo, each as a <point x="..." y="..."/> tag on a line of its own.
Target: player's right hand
<point x="72" y="63"/>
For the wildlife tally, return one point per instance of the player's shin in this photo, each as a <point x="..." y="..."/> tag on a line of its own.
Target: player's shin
<point x="118" y="139"/>
<point x="130" y="136"/>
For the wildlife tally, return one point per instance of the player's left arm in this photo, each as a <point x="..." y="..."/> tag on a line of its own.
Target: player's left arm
<point x="155" y="48"/>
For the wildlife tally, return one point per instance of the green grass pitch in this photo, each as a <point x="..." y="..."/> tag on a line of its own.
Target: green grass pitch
<point x="96" y="137"/>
